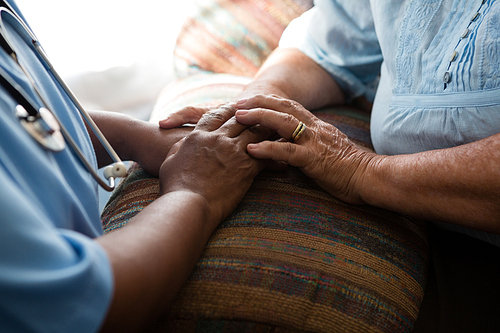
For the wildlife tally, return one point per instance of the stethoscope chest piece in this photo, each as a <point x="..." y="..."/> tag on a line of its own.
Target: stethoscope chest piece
<point x="41" y="123"/>
<point x="44" y="128"/>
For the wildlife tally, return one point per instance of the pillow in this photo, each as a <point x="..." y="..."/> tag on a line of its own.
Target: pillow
<point x="292" y="258"/>
<point x="233" y="36"/>
<point x="202" y="89"/>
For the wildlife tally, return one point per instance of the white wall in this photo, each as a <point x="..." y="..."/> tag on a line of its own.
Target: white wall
<point x="115" y="54"/>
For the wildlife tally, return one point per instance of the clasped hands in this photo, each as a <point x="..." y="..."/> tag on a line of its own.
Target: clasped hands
<point x="320" y="150"/>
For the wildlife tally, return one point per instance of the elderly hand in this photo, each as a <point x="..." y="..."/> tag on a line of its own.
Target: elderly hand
<point x="212" y="161"/>
<point x="321" y="151"/>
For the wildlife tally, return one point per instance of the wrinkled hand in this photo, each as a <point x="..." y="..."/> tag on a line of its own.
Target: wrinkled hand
<point x="186" y="115"/>
<point x="322" y="152"/>
<point x="212" y="161"/>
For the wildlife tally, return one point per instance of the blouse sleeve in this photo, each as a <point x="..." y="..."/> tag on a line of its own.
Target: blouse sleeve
<point x="340" y="36"/>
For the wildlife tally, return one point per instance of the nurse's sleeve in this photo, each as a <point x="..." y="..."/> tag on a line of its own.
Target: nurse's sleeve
<point x="51" y="280"/>
<point x="340" y="36"/>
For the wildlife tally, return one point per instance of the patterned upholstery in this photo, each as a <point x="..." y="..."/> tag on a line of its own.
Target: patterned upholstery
<point x="202" y="89"/>
<point x="233" y="36"/>
<point x="291" y="258"/>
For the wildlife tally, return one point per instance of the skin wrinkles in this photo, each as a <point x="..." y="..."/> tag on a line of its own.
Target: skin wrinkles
<point x="210" y="117"/>
<point x="458" y="185"/>
<point x="204" y="173"/>
<point x="323" y="153"/>
<point x="217" y="149"/>
<point x="337" y="152"/>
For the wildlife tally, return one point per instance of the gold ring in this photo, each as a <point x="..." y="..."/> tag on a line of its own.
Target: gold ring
<point x="301" y="127"/>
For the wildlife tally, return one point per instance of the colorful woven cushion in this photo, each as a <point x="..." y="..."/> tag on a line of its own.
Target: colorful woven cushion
<point x="202" y="89"/>
<point x="292" y="258"/>
<point x="233" y="36"/>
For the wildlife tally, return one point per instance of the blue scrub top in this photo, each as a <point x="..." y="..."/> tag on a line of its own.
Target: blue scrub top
<point x="53" y="276"/>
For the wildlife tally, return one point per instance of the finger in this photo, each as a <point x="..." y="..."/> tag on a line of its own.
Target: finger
<point x="186" y="115"/>
<point x="284" y="124"/>
<point x="215" y="118"/>
<point x="256" y="133"/>
<point x="232" y="128"/>
<point x="294" y="155"/>
<point x="276" y="103"/>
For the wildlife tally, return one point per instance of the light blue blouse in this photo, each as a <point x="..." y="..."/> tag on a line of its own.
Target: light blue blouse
<point x="53" y="276"/>
<point x="432" y="67"/>
<point x="411" y="44"/>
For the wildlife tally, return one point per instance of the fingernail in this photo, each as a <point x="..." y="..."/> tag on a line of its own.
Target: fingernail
<point x="253" y="146"/>
<point x="165" y="122"/>
<point x="241" y="101"/>
<point x="242" y="112"/>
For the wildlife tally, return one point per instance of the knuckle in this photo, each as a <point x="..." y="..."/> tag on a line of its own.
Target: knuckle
<point x="289" y="104"/>
<point x="225" y="107"/>
<point x="290" y="149"/>
<point x="201" y="139"/>
<point x="289" y="119"/>
<point x="260" y="112"/>
<point x="259" y="98"/>
<point x="212" y="116"/>
<point x="194" y="136"/>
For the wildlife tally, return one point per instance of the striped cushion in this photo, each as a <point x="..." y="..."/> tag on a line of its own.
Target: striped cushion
<point x="202" y="89"/>
<point x="233" y="36"/>
<point x="292" y="258"/>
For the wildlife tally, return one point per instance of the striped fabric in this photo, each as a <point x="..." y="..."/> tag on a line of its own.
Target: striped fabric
<point x="209" y="89"/>
<point x="134" y="193"/>
<point x="291" y="258"/>
<point x="233" y="36"/>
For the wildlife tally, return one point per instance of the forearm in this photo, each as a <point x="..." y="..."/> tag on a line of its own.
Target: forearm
<point x="287" y="73"/>
<point x="153" y="256"/>
<point x="112" y="125"/>
<point x="458" y="185"/>
<point x="133" y="139"/>
<point x="201" y="181"/>
<point x="291" y="74"/>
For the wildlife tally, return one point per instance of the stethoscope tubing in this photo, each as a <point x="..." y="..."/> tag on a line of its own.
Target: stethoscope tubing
<point x="118" y="169"/>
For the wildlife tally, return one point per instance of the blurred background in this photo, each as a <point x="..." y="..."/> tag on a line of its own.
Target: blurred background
<point x="116" y="55"/>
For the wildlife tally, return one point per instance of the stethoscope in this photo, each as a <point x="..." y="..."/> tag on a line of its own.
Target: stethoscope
<point x="42" y="124"/>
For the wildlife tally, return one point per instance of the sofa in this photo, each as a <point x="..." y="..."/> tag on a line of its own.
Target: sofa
<point x="291" y="258"/>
